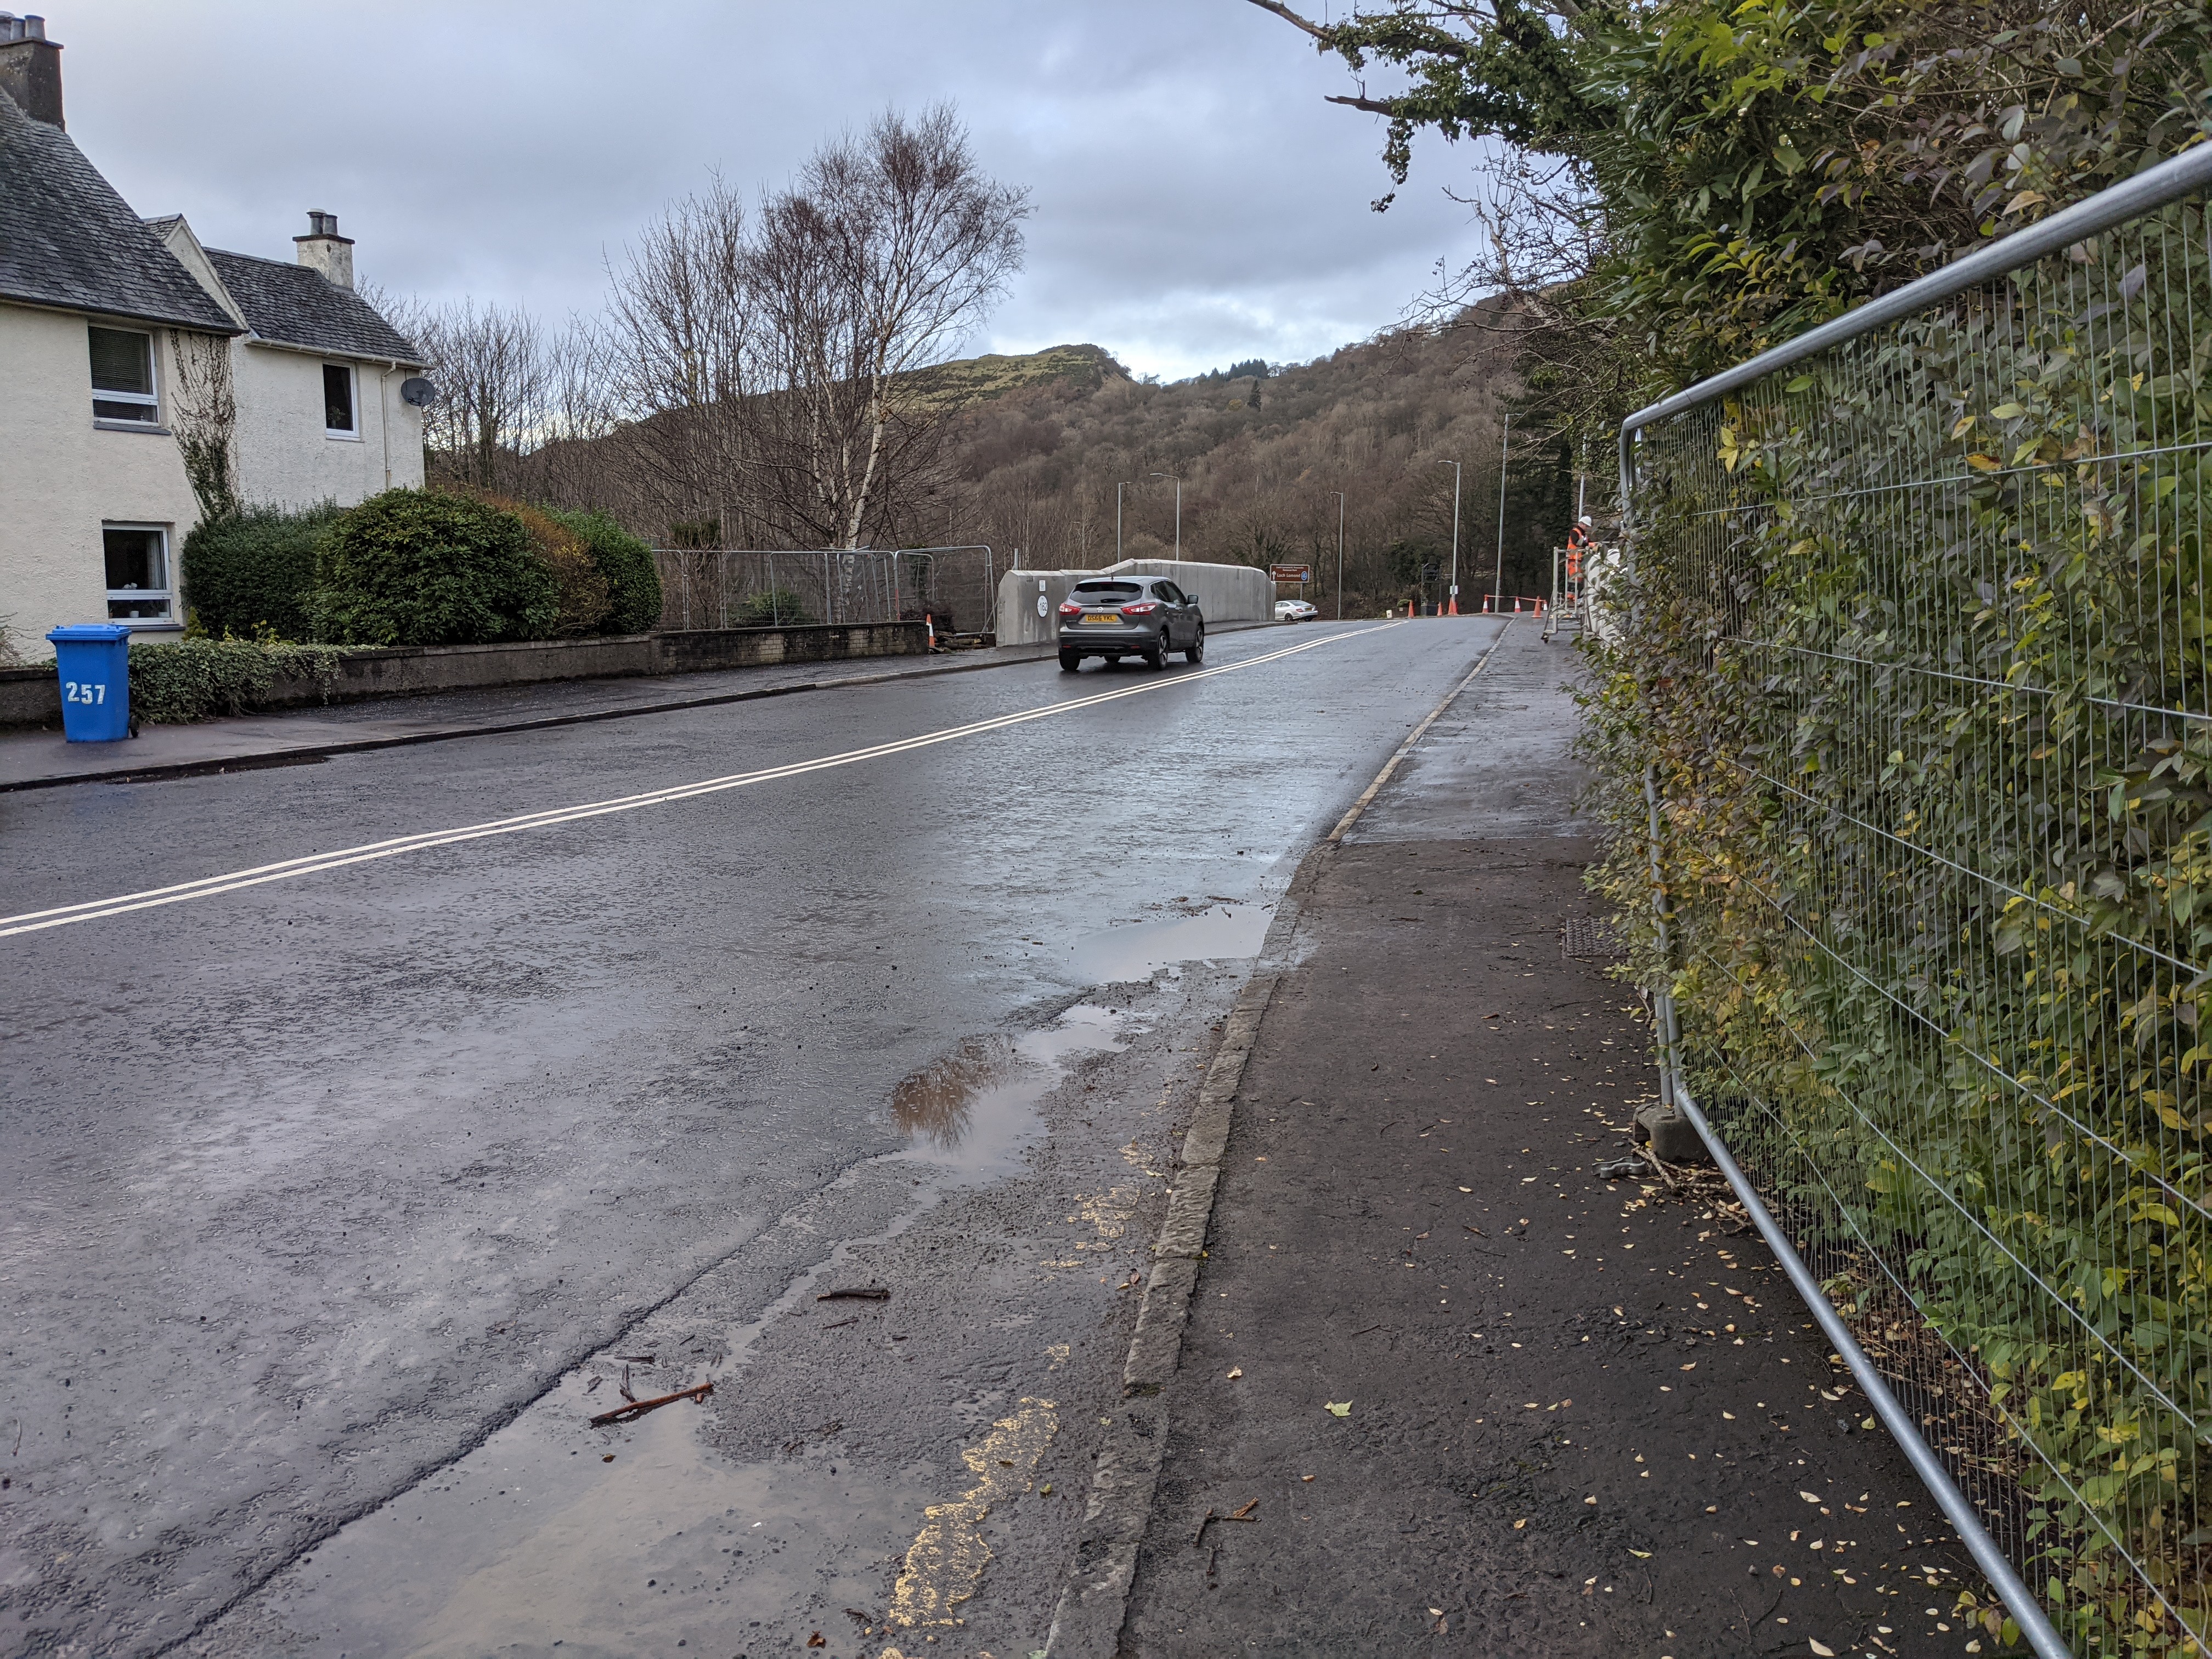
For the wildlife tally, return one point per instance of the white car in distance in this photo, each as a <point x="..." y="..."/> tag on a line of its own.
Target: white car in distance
<point x="1294" y="611"/>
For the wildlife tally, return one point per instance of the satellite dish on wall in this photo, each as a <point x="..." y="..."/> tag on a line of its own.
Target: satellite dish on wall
<point x="418" y="391"/>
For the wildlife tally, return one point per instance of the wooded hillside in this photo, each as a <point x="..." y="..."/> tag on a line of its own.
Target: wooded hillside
<point x="1261" y="457"/>
<point x="1023" y="452"/>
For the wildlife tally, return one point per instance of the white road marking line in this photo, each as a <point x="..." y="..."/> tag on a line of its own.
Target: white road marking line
<point x="32" y="921"/>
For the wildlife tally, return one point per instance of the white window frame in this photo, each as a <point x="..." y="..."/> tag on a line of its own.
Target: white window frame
<point x="149" y="401"/>
<point x="166" y="594"/>
<point x="341" y="434"/>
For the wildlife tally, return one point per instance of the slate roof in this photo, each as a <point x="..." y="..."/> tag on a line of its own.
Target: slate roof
<point x="295" y="304"/>
<point x="67" y="240"/>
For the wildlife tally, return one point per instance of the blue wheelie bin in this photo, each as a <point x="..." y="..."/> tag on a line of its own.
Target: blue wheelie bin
<point x="93" y="660"/>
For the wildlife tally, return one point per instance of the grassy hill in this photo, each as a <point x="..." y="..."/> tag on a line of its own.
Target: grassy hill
<point x="947" y="388"/>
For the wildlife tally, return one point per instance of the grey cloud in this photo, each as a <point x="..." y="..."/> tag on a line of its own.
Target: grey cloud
<point x="1196" y="201"/>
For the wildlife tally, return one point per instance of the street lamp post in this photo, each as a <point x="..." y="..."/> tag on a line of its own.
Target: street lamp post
<point x="1454" y="607"/>
<point x="1497" y="583"/>
<point x="1339" y="494"/>
<point x="1178" y="484"/>
<point x="1118" y="489"/>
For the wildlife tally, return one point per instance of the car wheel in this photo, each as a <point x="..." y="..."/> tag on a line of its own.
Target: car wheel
<point x="1069" y="661"/>
<point x="1197" y="652"/>
<point x="1157" y="658"/>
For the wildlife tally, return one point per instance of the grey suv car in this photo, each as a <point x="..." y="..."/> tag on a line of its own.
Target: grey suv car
<point x="1118" y="617"/>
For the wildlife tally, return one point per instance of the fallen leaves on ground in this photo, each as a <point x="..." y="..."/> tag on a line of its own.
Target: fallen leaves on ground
<point x="1337" y="1407"/>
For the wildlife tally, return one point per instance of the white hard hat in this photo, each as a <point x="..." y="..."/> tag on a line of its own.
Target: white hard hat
<point x="1582" y="521"/>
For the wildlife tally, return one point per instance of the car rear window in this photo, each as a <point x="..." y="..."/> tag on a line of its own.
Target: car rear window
<point x="1108" y="593"/>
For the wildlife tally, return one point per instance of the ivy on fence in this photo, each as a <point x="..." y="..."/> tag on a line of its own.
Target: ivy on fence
<point x="1917" y="641"/>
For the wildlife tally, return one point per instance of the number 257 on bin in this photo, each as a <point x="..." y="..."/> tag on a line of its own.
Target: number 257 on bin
<point x="84" y="691"/>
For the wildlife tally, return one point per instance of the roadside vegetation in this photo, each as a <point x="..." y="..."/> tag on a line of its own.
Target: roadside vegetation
<point x="274" y="595"/>
<point x="199" y="679"/>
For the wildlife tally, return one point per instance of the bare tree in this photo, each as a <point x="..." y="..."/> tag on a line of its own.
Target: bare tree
<point x="748" y="383"/>
<point x="683" y="344"/>
<point x="491" y="370"/>
<point x="886" y="252"/>
<point x="563" y="462"/>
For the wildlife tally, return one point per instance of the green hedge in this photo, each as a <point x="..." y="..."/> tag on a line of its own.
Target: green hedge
<point x="199" y="679"/>
<point x="627" y="563"/>
<point x="410" y="567"/>
<point x="250" y="573"/>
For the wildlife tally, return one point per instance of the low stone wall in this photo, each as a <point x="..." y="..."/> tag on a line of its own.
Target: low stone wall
<point x="31" y="697"/>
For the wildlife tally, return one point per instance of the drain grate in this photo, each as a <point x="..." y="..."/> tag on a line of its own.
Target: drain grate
<point x="1586" y="939"/>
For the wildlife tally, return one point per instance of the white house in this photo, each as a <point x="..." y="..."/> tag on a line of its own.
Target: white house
<point x="144" y="377"/>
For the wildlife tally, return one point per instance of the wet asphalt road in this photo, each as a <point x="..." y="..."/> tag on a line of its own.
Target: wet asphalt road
<point x="307" y="1187"/>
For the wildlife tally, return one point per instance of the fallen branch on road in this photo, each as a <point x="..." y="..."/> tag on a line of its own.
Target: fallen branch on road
<point x="1213" y="1515"/>
<point x="639" y="1407"/>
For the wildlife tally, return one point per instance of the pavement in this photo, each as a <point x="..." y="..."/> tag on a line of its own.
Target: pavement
<point x="1443" y="1388"/>
<point x="371" y="1124"/>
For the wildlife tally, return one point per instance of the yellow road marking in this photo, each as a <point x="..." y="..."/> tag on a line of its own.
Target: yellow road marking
<point x="948" y="1555"/>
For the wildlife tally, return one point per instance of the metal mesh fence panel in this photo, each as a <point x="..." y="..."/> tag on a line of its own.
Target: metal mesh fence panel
<point x="1928" y="614"/>
<point x="725" y="587"/>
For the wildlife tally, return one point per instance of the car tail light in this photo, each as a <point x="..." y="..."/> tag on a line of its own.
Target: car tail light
<point x="1071" y="609"/>
<point x="1144" y="608"/>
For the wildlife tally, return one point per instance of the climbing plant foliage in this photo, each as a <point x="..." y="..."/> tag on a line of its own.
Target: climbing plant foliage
<point x="1711" y="177"/>
<point x="1917" y="641"/>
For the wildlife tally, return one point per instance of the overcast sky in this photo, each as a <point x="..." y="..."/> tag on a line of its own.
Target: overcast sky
<point x="1196" y="202"/>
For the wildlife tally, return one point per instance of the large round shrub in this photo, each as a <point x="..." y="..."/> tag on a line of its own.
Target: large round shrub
<point x="249" y="574"/>
<point x="412" y="567"/>
<point x="627" y="563"/>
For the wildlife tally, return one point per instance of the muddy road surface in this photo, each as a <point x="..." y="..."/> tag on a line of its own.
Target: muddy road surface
<point x="368" y="1127"/>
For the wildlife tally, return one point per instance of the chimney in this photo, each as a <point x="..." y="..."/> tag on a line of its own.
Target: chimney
<point x="323" y="249"/>
<point x="31" y="67"/>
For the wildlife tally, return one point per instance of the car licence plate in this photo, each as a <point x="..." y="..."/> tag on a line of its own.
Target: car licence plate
<point x="1111" y="618"/>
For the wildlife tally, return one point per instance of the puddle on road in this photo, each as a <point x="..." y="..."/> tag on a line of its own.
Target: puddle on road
<point x="976" y="1109"/>
<point x="534" y="1545"/>
<point x="1116" y="956"/>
